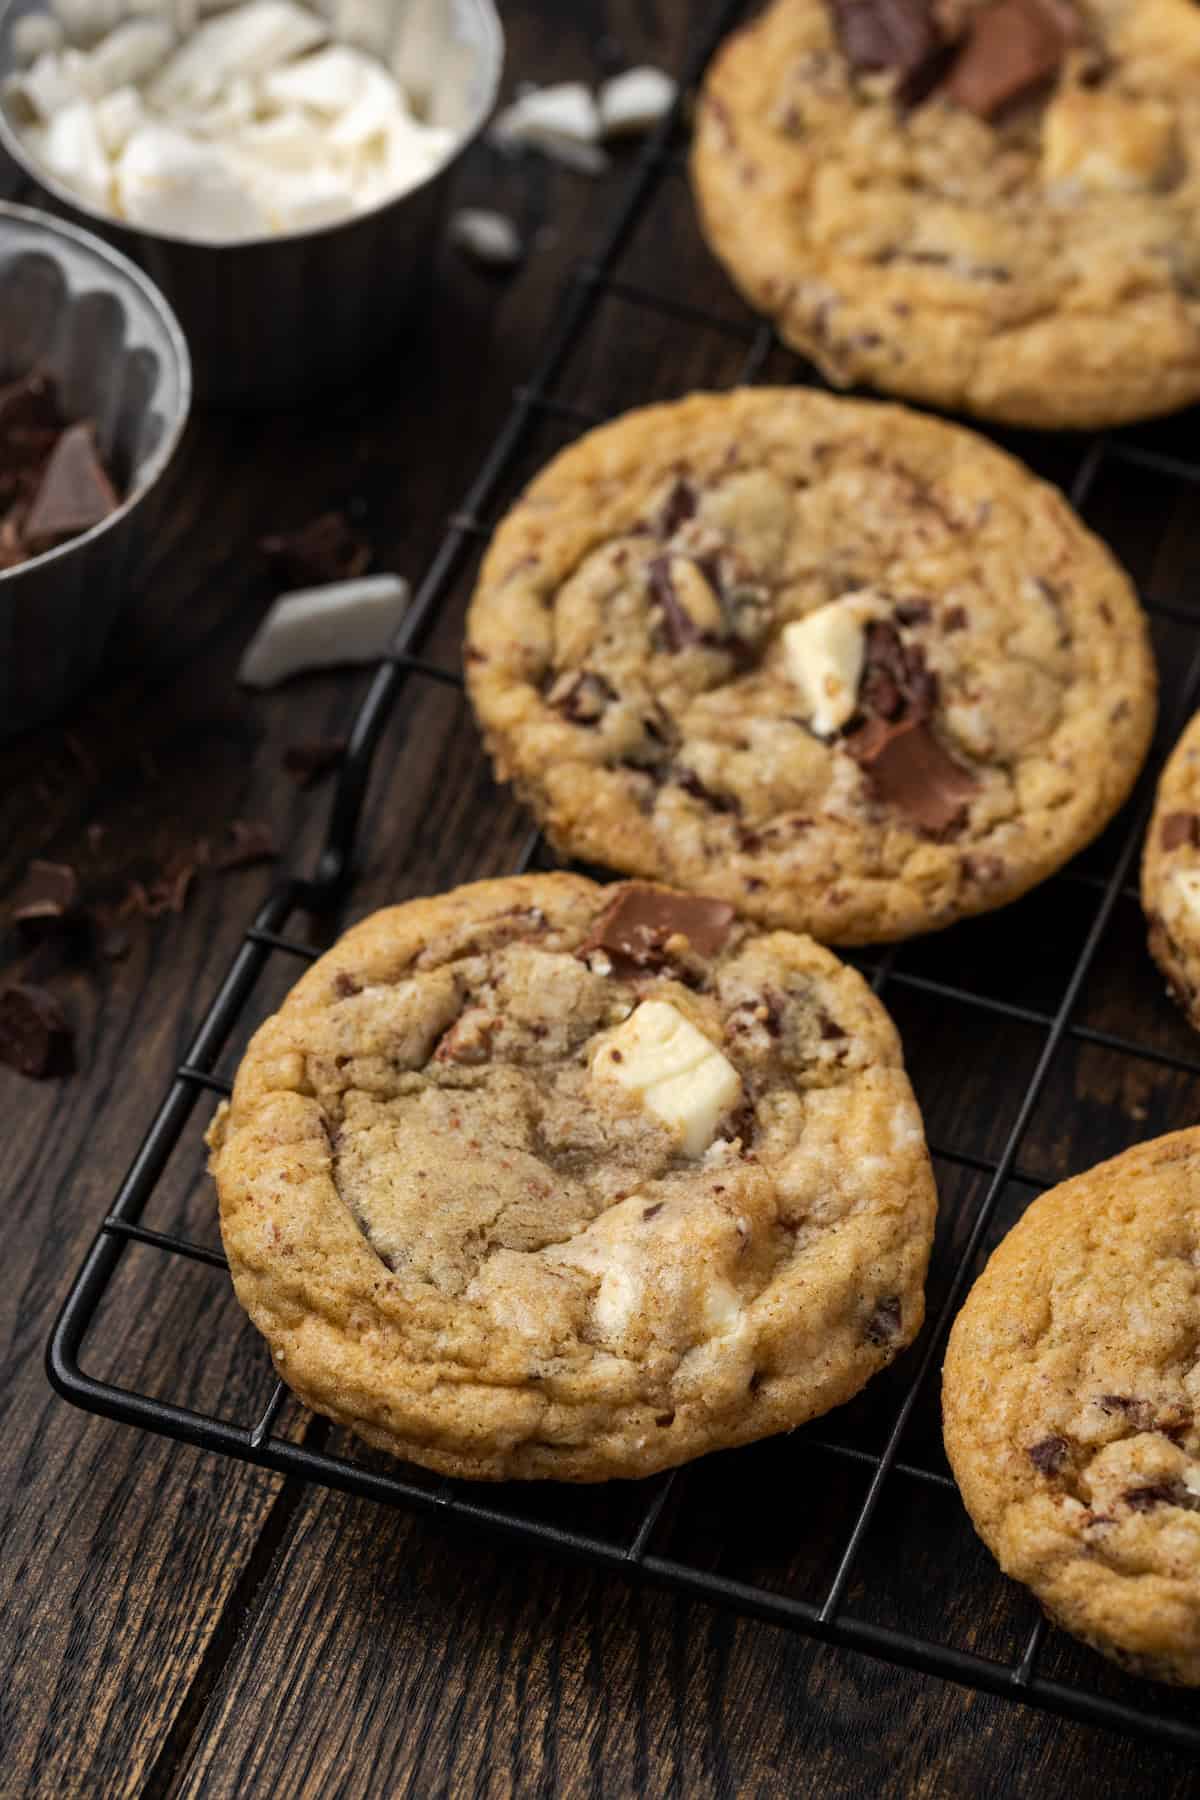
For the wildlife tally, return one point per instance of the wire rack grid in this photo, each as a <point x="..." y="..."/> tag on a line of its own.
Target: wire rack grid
<point x="885" y="1473"/>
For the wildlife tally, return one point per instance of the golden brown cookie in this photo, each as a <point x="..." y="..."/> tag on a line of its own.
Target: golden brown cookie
<point x="1171" y="873"/>
<point x="539" y="1178"/>
<point x="986" y="205"/>
<point x="849" y="668"/>
<point x="1070" y="1394"/>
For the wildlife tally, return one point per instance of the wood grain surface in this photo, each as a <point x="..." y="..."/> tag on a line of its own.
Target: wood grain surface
<point x="173" y="1624"/>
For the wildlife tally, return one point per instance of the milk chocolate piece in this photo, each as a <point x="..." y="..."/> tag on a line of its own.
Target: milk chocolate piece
<point x="635" y="928"/>
<point x="35" y="1038"/>
<point x="1048" y="1455"/>
<point x="1011" y="48"/>
<point x="1179" y="828"/>
<point x="74" y="493"/>
<point x="909" y="769"/>
<point x="892" y="34"/>
<point x="679" y="628"/>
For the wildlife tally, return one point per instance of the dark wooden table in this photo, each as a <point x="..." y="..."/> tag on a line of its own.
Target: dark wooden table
<point x="176" y="1624"/>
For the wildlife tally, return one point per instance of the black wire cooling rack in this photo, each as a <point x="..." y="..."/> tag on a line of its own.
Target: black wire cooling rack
<point x="868" y="1483"/>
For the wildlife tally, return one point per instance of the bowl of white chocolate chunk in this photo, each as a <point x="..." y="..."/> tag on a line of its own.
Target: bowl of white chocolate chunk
<point x="273" y="164"/>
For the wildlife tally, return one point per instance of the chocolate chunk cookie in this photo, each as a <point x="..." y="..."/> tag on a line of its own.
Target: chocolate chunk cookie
<point x="987" y="205"/>
<point x="848" y="668"/>
<point x="540" y="1178"/>
<point x="1070" y="1394"/>
<point x="1171" y="873"/>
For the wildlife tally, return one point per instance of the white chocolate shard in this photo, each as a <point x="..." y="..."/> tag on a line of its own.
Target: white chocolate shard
<point x="248" y="40"/>
<point x="562" y="122"/>
<point x="635" y="101"/>
<point x="1185" y="894"/>
<point x="489" y="237"/>
<point x="376" y="106"/>
<point x="71" y="149"/>
<point x="325" y="627"/>
<point x="118" y="116"/>
<point x="53" y="82"/>
<point x="328" y="81"/>
<point x="128" y="55"/>
<point x="34" y="34"/>
<point x="1107" y="142"/>
<point x="170" y="182"/>
<point x="823" y="655"/>
<point x="677" y="1073"/>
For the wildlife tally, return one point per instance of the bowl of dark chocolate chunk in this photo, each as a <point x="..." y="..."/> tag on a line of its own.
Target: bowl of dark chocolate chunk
<point x="95" y="388"/>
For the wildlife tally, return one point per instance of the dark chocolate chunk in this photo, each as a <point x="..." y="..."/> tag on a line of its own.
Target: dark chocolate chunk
<point x="1179" y="828"/>
<point x="909" y="769"/>
<point x="326" y="549"/>
<point x="75" y="492"/>
<point x="680" y="507"/>
<point x="891" y="34"/>
<point x="252" y="842"/>
<point x="679" y="628"/>
<point x="47" y="900"/>
<point x="1011" y="48"/>
<point x="1140" y="1413"/>
<point x="309" y="762"/>
<point x="345" y="985"/>
<point x="35" y="1037"/>
<point x="639" y="923"/>
<point x="829" y="1028"/>
<point x="652" y="1212"/>
<point x="582" y="698"/>
<point x="954" y="619"/>
<point x="692" y="784"/>
<point x="883" y="1326"/>
<point x="914" y="612"/>
<point x="1162" y="1493"/>
<point x="1048" y="1455"/>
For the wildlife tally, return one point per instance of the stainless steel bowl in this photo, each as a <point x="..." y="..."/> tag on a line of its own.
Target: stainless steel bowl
<point x="70" y="305"/>
<point x="275" y="320"/>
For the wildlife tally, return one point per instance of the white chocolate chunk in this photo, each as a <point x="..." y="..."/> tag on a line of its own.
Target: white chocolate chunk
<point x="489" y="237"/>
<point x="71" y="148"/>
<point x="635" y="101"/>
<point x="118" y="116"/>
<point x="328" y="81"/>
<point x="128" y="55"/>
<point x="1107" y="142"/>
<point x="562" y="122"/>
<point x="1185" y="894"/>
<point x="248" y="40"/>
<point x="170" y="182"/>
<point x="325" y="627"/>
<point x="52" y="83"/>
<point x="34" y="34"/>
<point x="823" y="655"/>
<point x="376" y="105"/>
<point x="677" y="1073"/>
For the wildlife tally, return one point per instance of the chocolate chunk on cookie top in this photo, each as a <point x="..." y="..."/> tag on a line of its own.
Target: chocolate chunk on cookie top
<point x="846" y="669"/>
<point x="1070" y="1400"/>
<point x="991" y="206"/>
<point x="1171" y="873"/>
<point x="540" y="1178"/>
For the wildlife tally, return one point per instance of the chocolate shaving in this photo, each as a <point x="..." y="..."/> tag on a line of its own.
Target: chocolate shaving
<point x="311" y="761"/>
<point x="1011" y="48"/>
<point x="1179" y="828"/>
<point x="679" y="628"/>
<point x="883" y="1326"/>
<point x="326" y="549"/>
<point x="899" y="35"/>
<point x="253" y="842"/>
<point x="35" y="1038"/>
<point x="1048" y="1455"/>
<point x="636" y="931"/>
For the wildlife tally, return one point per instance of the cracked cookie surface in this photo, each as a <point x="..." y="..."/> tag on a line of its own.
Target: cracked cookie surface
<point x="1171" y="873"/>
<point x="851" y="669"/>
<point x="1070" y="1391"/>
<point x="926" y="217"/>
<point x="544" y="1179"/>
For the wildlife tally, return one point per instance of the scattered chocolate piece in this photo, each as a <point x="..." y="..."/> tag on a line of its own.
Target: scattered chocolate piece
<point x="954" y="619"/>
<point x="47" y="900"/>
<point x="679" y="628"/>
<point x="913" y="612"/>
<point x="1179" y="828"/>
<point x="636" y="927"/>
<point x="909" y="769"/>
<point x="1048" y="1455"/>
<point x="1011" y="48"/>
<point x="310" y="762"/>
<point x="253" y="842"/>
<point x="652" y="1212"/>
<point x="1140" y="1413"/>
<point x="680" y="507"/>
<point x="691" y="784"/>
<point x="1162" y="1493"/>
<point x="74" y="494"/>
<point x="326" y="549"/>
<point x="581" y="698"/>
<point x="115" y="943"/>
<point x="829" y="1028"/>
<point x="892" y="34"/>
<point x="883" y="1326"/>
<point x="35" y="1038"/>
<point x="345" y="985"/>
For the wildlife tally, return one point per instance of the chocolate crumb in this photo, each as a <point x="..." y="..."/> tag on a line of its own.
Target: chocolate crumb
<point x="913" y="612"/>
<point x="680" y="507"/>
<point x="326" y="549"/>
<point x="954" y="619"/>
<point x="35" y="1038"/>
<point x="829" y="1028"/>
<point x="1179" y="828"/>
<point x="883" y="1326"/>
<point x="309" y="762"/>
<point x="252" y="842"/>
<point x="1162" y="1493"/>
<point x="345" y="985"/>
<point x="652" y="1212"/>
<point x="1048" y="1455"/>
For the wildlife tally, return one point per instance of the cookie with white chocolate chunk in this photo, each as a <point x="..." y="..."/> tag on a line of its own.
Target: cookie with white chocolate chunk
<point x="1171" y="872"/>
<point x="544" y="1179"/>
<point x="850" y="669"/>
<point x="986" y="205"/>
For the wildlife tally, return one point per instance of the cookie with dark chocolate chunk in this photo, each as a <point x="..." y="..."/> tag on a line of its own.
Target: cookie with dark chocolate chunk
<point x="846" y="669"/>
<point x="1171" y="873"/>
<point x="1070" y="1399"/>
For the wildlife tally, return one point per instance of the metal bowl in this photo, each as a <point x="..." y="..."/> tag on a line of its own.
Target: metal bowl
<point x="71" y="306"/>
<point x="275" y="320"/>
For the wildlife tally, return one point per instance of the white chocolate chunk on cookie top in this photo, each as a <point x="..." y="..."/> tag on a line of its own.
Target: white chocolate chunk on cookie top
<point x="1184" y="895"/>
<point x="1106" y="142"/>
<point x="677" y="1073"/>
<point x="824" y="655"/>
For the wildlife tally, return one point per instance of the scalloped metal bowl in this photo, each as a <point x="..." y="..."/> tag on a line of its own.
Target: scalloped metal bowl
<point x="72" y="306"/>
<point x="276" y="320"/>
